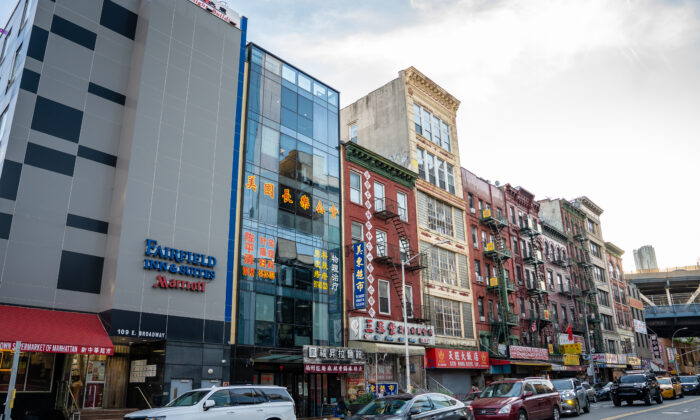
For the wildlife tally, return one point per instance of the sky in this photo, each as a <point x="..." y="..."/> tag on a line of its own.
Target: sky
<point x="562" y="97"/>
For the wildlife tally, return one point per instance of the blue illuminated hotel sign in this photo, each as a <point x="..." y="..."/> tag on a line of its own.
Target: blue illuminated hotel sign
<point x="178" y="262"/>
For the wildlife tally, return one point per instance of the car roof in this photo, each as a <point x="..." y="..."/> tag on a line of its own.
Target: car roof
<point x="240" y="386"/>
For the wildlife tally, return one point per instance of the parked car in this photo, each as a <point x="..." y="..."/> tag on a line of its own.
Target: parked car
<point x="415" y="407"/>
<point x="254" y="402"/>
<point x="670" y="387"/>
<point x="518" y="399"/>
<point x="590" y="392"/>
<point x="602" y="391"/>
<point x="690" y="384"/>
<point x="573" y="396"/>
<point x="636" y="386"/>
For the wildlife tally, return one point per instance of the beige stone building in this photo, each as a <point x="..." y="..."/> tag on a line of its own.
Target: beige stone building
<point x="411" y="120"/>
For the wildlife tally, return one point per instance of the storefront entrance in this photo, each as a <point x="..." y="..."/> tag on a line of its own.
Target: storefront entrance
<point x="310" y="391"/>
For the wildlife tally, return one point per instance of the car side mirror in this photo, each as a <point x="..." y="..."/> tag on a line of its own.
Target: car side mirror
<point x="528" y="394"/>
<point x="578" y="388"/>
<point x="209" y="404"/>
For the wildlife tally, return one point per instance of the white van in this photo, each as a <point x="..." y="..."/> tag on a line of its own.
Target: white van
<point x="250" y="402"/>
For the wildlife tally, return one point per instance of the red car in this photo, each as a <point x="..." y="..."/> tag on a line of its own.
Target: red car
<point x="518" y="399"/>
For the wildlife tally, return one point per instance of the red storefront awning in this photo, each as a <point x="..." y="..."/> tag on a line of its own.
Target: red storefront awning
<point x="47" y="331"/>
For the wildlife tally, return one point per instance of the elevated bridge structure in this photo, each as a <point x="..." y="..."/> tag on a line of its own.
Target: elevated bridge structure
<point x="671" y="299"/>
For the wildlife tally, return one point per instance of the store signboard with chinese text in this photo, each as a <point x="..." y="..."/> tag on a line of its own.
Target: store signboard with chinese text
<point x="640" y="326"/>
<point x="570" y="348"/>
<point x="371" y="329"/>
<point x="324" y="354"/>
<point x="358" y="275"/>
<point x="528" y="353"/>
<point x="571" y="360"/>
<point x="391" y="388"/>
<point x="459" y="359"/>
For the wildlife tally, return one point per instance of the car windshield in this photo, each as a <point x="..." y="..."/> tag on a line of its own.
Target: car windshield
<point x="630" y="379"/>
<point x="665" y="381"/>
<point x="689" y="379"/>
<point x="388" y="406"/>
<point x="503" y="389"/>
<point x="188" y="399"/>
<point x="563" y="384"/>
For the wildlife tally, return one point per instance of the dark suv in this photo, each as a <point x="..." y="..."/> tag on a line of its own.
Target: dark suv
<point x="518" y="399"/>
<point x="636" y="386"/>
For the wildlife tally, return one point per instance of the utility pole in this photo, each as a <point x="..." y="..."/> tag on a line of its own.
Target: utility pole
<point x="10" y="399"/>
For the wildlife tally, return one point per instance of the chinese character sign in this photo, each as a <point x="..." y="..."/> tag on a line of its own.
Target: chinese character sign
<point x="451" y="358"/>
<point x="390" y="388"/>
<point x="258" y="256"/>
<point x="358" y="275"/>
<point x="335" y="271"/>
<point x="320" y="269"/>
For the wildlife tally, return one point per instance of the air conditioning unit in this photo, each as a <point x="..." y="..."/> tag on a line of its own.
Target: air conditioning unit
<point x="479" y="279"/>
<point x="472" y="210"/>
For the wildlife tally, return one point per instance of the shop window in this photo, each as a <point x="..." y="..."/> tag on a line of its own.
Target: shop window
<point x="35" y="373"/>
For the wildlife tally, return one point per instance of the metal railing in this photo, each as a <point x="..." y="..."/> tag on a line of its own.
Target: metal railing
<point x="669" y="309"/>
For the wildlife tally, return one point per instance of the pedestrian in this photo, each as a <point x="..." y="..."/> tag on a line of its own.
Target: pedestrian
<point x="341" y="408"/>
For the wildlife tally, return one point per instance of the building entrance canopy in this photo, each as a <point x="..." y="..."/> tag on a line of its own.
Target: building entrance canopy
<point x="46" y="331"/>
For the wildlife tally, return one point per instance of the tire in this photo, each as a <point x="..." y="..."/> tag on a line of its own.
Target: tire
<point x="555" y="413"/>
<point x="578" y="409"/>
<point x="587" y="408"/>
<point x="617" y="402"/>
<point x="522" y="415"/>
<point x="647" y="399"/>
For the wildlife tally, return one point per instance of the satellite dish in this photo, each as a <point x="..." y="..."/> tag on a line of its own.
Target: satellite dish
<point x="498" y="183"/>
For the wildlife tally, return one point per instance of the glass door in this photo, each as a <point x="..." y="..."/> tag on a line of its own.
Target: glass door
<point x="95" y="381"/>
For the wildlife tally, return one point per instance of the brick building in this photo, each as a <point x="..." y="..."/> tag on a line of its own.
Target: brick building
<point x="618" y="284"/>
<point x="379" y="203"/>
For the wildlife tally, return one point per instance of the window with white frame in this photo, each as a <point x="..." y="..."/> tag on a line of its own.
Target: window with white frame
<point x="598" y="273"/>
<point x="352" y="133"/>
<point x="355" y="187"/>
<point x="356" y="232"/>
<point x="448" y="320"/>
<point x="440" y="217"/>
<point x="402" y="201"/>
<point x="379" y="197"/>
<point x="441" y="267"/>
<point x="409" y="301"/>
<point x="381" y="244"/>
<point x="436" y="171"/>
<point x="432" y="127"/>
<point x="482" y="317"/>
<point x="384" y="300"/>
<point x="475" y="237"/>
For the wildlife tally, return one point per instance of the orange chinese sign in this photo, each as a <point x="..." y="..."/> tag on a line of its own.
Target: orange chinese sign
<point x="265" y="266"/>
<point x="251" y="185"/>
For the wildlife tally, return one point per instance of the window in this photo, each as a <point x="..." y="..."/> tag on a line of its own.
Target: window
<point x="475" y="232"/>
<point x="616" y="294"/>
<point x="379" y="202"/>
<point x="595" y="249"/>
<point x="515" y="245"/>
<point x="383" y="294"/>
<point x="480" y="303"/>
<point x="522" y="307"/>
<point x="591" y="226"/>
<point x="381" y="244"/>
<point x="607" y="322"/>
<point x="409" y="301"/>
<point x="352" y="133"/>
<point x="512" y="214"/>
<point x="559" y="280"/>
<point x="244" y="396"/>
<point x="221" y="398"/>
<point x="3" y="120"/>
<point x="603" y="298"/>
<point x="447" y="317"/>
<point x="471" y="201"/>
<point x="442" y="266"/>
<point x="477" y="270"/>
<point x="598" y="273"/>
<point x="612" y="347"/>
<point x="431" y="127"/>
<point x="355" y="188"/>
<point x="483" y="240"/>
<point x="550" y="277"/>
<point x="402" y="200"/>
<point x="356" y="232"/>
<point x="436" y="171"/>
<point x="555" y="313"/>
<point x="563" y="314"/>
<point x="25" y="18"/>
<point x="440" y="217"/>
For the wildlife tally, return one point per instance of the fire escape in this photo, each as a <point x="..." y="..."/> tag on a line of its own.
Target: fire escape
<point x="589" y="291"/>
<point x="540" y="318"/>
<point x="499" y="285"/>
<point x="392" y="255"/>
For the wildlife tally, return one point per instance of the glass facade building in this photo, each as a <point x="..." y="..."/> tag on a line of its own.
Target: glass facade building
<point x="289" y="290"/>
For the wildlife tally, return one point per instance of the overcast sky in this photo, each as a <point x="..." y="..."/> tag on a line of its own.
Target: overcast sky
<point x="562" y="97"/>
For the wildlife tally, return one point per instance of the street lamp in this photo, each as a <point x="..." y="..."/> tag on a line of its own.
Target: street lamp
<point x="673" y="346"/>
<point x="405" y="317"/>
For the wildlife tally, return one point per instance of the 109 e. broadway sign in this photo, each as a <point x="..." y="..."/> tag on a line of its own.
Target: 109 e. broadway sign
<point x="178" y="262"/>
<point x="371" y="329"/>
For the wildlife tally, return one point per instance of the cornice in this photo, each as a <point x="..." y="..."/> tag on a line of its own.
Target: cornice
<point x="522" y="197"/>
<point x="573" y="210"/>
<point x="585" y="201"/>
<point x="614" y="249"/>
<point x="553" y="232"/>
<point x="376" y="163"/>
<point x="422" y="82"/>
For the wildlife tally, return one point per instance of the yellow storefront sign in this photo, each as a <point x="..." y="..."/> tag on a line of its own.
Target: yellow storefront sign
<point x="634" y="361"/>
<point x="493" y="281"/>
<point x="571" y="348"/>
<point x="571" y="360"/>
